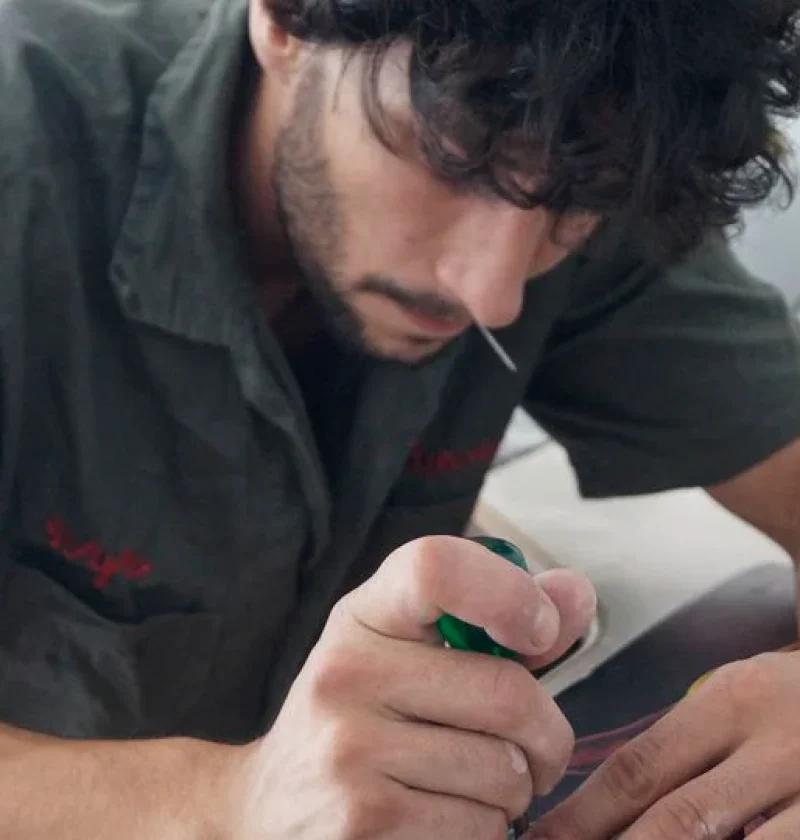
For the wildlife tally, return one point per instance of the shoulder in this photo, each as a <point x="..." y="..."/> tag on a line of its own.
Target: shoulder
<point x="618" y="279"/>
<point x="75" y="74"/>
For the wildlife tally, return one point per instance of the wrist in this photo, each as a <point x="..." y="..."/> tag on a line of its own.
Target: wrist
<point x="207" y="805"/>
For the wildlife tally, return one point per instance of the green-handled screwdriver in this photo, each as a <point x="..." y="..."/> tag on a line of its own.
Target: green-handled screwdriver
<point x="460" y="635"/>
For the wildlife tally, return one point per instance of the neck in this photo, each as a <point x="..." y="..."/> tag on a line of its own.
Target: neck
<point x="276" y="276"/>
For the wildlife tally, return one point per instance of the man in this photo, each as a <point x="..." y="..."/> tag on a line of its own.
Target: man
<point x="245" y="248"/>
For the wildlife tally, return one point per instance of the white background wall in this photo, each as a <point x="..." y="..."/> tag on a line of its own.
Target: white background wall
<point x="770" y="245"/>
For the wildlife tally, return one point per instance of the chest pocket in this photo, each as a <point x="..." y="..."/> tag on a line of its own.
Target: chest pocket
<point x="67" y="671"/>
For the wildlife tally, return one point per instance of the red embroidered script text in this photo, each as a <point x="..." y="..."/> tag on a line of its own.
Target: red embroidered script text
<point x="127" y="564"/>
<point x="444" y="461"/>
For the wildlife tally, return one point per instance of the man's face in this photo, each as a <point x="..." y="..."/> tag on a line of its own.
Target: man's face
<point x="400" y="261"/>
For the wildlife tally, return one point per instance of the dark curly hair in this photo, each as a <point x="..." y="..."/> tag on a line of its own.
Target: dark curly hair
<point x="662" y="113"/>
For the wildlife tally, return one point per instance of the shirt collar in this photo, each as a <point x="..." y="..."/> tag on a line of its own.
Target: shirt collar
<point x="178" y="263"/>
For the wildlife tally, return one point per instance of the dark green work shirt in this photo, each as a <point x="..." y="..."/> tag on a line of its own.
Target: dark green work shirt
<point x="172" y="537"/>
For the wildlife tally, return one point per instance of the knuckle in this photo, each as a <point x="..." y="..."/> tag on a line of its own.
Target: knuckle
<point x="553" y="756"/>
<point x="519" y="804"/>
<point x="682" y="816"/>
<point x="340" y="614"/>
<point x="529" y="717"/>
<point x="335" y="672"/>
<point x="426" y="566"/>
<point x="510" y="698"/>
<point x="346" y="749"/>
<point x="521" y="801"/>
<point x="740" y="691"/>
<point x="526" y="715"/>
<point x="495" y="771"/>
<point x="514" y="790"/>
<point x="367" y="813"/>
<point x="634" y="772"/>
<point x="557" y="749"/>
<point x="746" y="684"/>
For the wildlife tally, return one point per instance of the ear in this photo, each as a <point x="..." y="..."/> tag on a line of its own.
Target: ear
<point x="277" y="52"/>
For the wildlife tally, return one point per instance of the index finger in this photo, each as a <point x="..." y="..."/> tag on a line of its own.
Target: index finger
<point x="433" y="576"/>
<point x="694" y="736"/>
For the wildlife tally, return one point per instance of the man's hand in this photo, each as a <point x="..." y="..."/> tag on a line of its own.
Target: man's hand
<point x="726" y="755"/>
<point x="387" y="734"/>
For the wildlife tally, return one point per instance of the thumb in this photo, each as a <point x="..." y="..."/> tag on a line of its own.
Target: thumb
<point x="424" y="579"/>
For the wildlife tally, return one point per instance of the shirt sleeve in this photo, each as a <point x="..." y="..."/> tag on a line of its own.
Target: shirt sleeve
<point x="659" y="379"/>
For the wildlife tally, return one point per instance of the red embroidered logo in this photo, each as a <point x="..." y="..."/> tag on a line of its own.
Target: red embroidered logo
<point x="429" y="464"/>
<point x="94" y="557"/>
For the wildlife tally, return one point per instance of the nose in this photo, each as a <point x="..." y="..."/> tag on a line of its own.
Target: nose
<point x="489" y="254"/>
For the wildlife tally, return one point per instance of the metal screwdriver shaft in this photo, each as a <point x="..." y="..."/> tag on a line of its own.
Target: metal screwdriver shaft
<point x="497" y="347"/>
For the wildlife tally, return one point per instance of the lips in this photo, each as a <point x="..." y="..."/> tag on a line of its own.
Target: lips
<point x="434" y="327"/>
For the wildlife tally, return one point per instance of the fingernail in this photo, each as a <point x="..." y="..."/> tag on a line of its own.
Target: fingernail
<point x="545" y="626"/>
<point x="519" y="764"/>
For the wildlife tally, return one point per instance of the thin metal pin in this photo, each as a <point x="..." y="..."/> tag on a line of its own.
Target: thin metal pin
<point x="497" y="347"/>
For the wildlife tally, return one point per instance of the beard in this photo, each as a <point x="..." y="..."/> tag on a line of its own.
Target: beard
<point x="308" y="210"/>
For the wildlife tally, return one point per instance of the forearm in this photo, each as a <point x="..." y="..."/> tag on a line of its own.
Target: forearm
<point x="796" y="563"/>
<point x="55" y="789"/>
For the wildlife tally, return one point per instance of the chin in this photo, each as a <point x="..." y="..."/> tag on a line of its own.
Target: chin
<point x="405" y="350"/>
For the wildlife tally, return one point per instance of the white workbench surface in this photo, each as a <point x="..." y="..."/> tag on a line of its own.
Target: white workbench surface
<point x="647" y="556"/>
